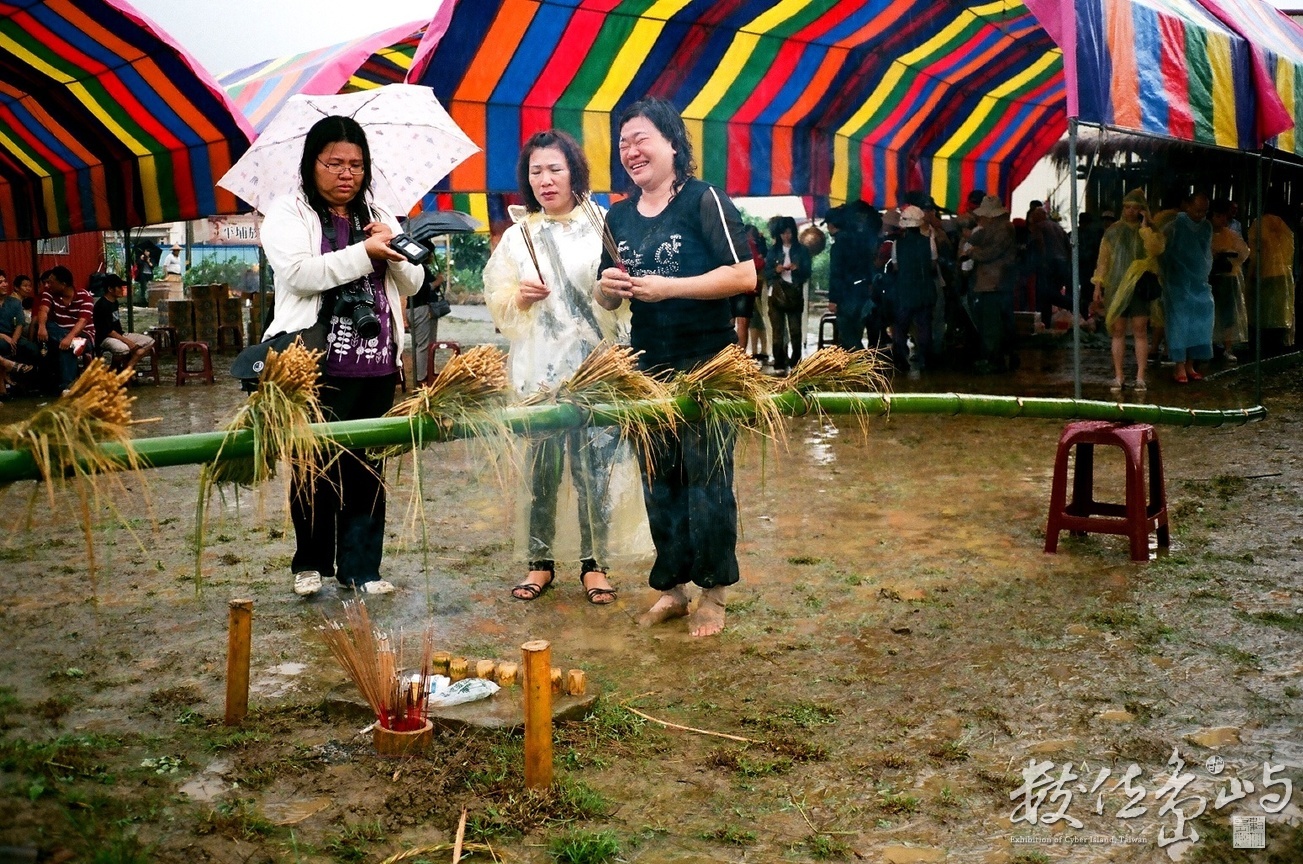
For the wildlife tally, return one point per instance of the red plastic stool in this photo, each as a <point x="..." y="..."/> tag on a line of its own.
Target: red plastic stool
<point x="141" y="372"/>
<point x="830" y="320"/>
<point x="236" y="337"/>
<point x="183" y="372"/>
<point x="1083" y="515"/>
<point x="454" y="347"/>
<point x="165" y="338"/>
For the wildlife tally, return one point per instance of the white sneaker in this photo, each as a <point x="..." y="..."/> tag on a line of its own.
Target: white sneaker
<point x="376" y="586"/>
<point x="307" y="583"/>
<point x="1229" y="357"/>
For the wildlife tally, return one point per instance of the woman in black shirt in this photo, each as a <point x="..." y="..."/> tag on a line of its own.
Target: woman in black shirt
<point x="683" y="253"/>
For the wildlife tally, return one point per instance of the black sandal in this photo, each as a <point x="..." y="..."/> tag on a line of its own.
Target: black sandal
<point x="594" y="593"/>
<point x="530" y="590"/>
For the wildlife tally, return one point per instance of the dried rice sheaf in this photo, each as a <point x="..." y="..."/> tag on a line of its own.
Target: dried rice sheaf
<point x="64" y="438"/>
<point x="732" y="376"/>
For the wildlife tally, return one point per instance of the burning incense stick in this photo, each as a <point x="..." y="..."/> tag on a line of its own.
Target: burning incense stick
<point x="369" y="659"/>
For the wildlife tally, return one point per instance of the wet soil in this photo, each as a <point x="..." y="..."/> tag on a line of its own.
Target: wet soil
<point x="900" y="648"/>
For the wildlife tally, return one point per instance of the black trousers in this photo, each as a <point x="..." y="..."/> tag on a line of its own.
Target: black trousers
<point x="339" y="520"/>
<point x="691" y="510"/>
<point x="785" y="335"/>
<point x="591" y="452"/>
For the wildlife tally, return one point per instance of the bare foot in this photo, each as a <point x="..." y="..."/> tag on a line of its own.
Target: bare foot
<point x="708" y="620"/>
<point x="672" y="604"/>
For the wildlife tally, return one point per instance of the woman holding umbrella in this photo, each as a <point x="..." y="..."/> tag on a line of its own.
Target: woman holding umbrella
<point x="683" y="253"/>
<point x="328" y="245"/>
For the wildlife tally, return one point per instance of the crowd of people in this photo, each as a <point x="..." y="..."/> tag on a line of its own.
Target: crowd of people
<point x="49" y="333"/>
<point x="932" y="289"/>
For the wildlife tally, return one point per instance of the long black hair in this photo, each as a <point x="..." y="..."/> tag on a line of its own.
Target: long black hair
<point x="669" y="122"/>
<point x="778" y="225"/>
<point x="575" y="161"/>
<point x="327" y="131"/>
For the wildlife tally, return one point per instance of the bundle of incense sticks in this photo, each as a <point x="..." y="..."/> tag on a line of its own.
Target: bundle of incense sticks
<point x="369" y="658"/>
<point x="529" y="247"/>
<point x="595" y="218"/>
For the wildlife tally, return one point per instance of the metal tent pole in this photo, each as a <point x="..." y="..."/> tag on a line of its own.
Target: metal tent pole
<point x="1076" y="262"/>
<point x="1257" y="291"/>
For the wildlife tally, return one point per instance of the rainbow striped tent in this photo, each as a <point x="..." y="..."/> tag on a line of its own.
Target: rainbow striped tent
<point x="1219" y="72"/>
<point x="359" y="64"/>
<point x="105" y="123"/>
<point x="843" y="98"/>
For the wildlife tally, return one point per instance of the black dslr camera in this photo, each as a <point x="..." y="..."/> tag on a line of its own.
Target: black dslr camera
<point x="356" y="303"/>
<point x="414" y="243"/>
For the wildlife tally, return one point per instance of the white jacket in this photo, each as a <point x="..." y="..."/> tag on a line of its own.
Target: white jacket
<point x="291" y="239"/>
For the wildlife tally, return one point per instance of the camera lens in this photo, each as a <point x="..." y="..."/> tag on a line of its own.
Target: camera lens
<point x="365" y="321"/>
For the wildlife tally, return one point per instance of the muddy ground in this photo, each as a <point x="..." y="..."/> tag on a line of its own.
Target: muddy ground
<point x="899" y="645"/>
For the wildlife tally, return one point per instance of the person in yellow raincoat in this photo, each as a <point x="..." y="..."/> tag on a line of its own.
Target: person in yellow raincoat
<point x="1276" y="262"/>
<point x="1128" y="258"/>
<point x="1231" y="322"/>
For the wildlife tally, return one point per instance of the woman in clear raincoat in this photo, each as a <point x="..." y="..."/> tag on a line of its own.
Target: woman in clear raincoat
<point x="593" y="510"/>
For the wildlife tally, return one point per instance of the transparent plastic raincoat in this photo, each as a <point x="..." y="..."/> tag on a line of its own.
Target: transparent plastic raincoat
<point x="583" y="494"/>
<point x="1125" y="254"/>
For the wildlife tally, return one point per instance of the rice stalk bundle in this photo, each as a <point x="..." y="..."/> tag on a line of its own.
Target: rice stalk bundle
<point x="727" y="377"/>
<point x="279" y="414"/>
<point x="837" y="370"/>
<point x="463" y="392"/>
<point x="371" y="662"/>
<point x="609" y="375"/>
<point x="64" y="439"/>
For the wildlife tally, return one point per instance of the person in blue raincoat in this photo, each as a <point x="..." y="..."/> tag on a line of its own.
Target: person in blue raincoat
<point x="1188" y="307"/>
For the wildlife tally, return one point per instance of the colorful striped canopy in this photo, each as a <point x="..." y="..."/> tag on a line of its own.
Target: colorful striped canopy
<point x="105" y="122"/>
<point x="842" y="98"/>
<point x="1218" y="72"/>
<point x="360" y="64"/>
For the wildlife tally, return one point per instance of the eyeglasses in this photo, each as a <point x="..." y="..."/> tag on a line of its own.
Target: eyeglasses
<point x="339" y="169"/>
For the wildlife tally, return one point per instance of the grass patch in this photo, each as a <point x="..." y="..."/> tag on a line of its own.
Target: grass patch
<point x="737" y="760"/>
<point x="896" y="803"/>
<point x="509" y="812"/>
<point x="826" y="847"/>
<point x="804" y="560"/>
<point x="731" y="835"/>
<point x="351" y="844"/>
<point x="238" y="819"/>
<point x="950" y="751"/>
<point x="69" y="757"/>
<point x="584" y="847"/>
<point x="1236" y="655"/>
<point x="1284" y="620"/>
<point x="9" y="705"/>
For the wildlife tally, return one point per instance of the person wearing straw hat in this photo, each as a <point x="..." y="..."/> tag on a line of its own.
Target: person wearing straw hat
<point x="993" y="250"/>
<point x="173" y="265"/>
<point x="328" y="245"/>
<point x="1126" y="282"/>
<point x="539" y="285"/>
<point x="682" y="252"/>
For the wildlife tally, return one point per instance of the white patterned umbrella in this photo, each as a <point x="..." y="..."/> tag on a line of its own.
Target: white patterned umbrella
<point x="414" y="144"/>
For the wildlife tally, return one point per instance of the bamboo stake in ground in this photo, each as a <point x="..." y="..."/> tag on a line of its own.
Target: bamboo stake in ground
<point x="240" y="627"/>
<point x="537" y="663"/>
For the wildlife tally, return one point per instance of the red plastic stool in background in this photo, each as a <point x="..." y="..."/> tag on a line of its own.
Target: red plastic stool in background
<point x="152" y="369"/>
<point x="165" y="338"/>
<point x="183" y="373"/>
<point x="1083" y="515"/>
<point x="236" y="338"/>
<point x="454" y="347"/>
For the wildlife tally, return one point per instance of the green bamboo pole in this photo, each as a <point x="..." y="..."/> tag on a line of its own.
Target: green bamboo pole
<point x="197" y="449"/>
